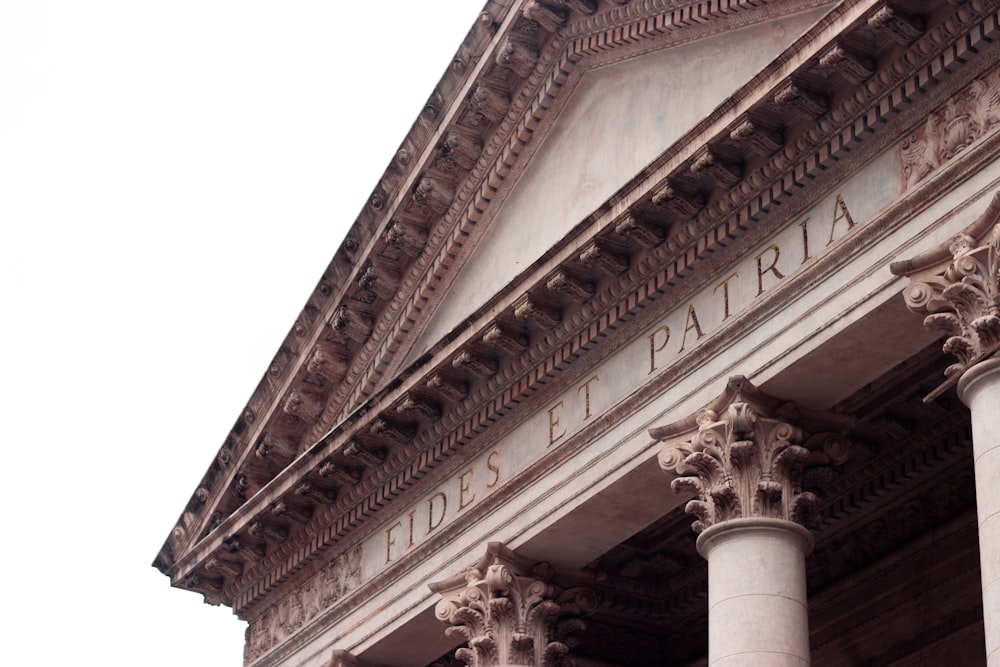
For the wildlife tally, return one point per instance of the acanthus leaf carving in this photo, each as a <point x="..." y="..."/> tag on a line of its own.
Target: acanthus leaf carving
<point x="476" y="363"/>
<point x="306" y="407"/>
<point x="505" y="337"/>
<point x="710" y="163"/>
<point x="740" y="457"/>
<point x="850" y="64"/>
<point x="431" y="194"/>
<point x="957" y="288"/>
<point x="276" y="450"/>
<point x="339" y="473"/>
<point x="452" y="389"/>
<point x="265" y="530"/>
<point x="550" y="19"/>
<point x="605" y="258"/>
<point x="965" y="117"/>
<point x="352" y="323"/>
<point x="642" y="231"/>
<point x="409" y="238"/>
<point x="368" y="457"/>
<point x="570" y="286"/>
<point x="383" y="281"/>
<point x="530" y="307"/>
<point x="794" y="96"/>
<point x="329" y="360"/>
<point x="517" y="55"/>
<point x="509" y="613"/>
<point x="758" y="137"/>
<point x="463" y="149"/>
<point x="490" y="104"/>
<point x="903" y="27"/>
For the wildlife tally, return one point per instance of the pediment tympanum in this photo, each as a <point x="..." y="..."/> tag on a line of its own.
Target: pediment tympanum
<point x="616" y="119"/>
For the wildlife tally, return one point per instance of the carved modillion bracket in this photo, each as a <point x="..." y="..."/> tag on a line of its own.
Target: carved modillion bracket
<point x="505" y="337"/>
<point x="758" y="137"/>
<point x="536" y="309"/>
<point x="368" y="457"/>
<point x="607" y="259"/>
<point x="383" y="281"/>
<point x="354" y="324"/>
<point x="679" y="201"/>
<point x="576" y="289"/>
<point x="476" y="363"/>
<point x="518" y="56"/>
<point x="902" y="27"/>
<point x="793" y="96"/>
<point x="408" y="238"/>
<point x="643" y="231"/>
<point x="329" y="360"/>
<point x="306" y="407"/>
<point x="490" y="104"/>
<point x="550" y="19"/>
<point x="453" y="389"/>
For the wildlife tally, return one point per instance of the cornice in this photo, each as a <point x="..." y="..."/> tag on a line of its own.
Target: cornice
<point x="387" y="453"/>
<point x="291" y="394"/>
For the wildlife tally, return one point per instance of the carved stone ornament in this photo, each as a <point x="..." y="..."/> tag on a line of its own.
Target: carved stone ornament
<point x="509" y="612"/>
<point x="965" y="117"/>
<point x="741" y="457"/>
<point x="338" y="578"/>
<point x="957" y="287"/>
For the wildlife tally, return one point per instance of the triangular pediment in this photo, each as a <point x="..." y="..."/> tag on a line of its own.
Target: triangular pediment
<point x="550" y="161"/>
<point x="618" y="114"/>
<point x="521" y="142"/>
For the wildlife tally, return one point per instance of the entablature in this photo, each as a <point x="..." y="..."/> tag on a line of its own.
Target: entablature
<point x="862" y="68"/>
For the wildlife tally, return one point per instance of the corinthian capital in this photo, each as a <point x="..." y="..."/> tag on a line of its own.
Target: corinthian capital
<point x="742" y="456"/>
<point x="509" y="612"/>
<point x="957" y="287"/>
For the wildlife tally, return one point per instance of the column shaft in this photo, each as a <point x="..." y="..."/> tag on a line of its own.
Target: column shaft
<point x="757" y="593"/>
<point x="979" y="389"/>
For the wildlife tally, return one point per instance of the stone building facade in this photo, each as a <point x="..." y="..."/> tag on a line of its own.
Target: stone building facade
<point x="668" y="337"/>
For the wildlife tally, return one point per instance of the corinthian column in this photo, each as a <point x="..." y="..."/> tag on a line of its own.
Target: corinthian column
<point x="744" y="461"/>
<point x="957" y="288"/>
<point x="509" y="612"/>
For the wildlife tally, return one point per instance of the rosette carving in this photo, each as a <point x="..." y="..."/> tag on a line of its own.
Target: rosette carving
<point x="509" y="613"/>
<point x="742" y="457"/>
<point x="957" y="288"/>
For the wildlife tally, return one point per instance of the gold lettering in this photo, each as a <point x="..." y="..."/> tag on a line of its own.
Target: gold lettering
<point x="553" y="422"/>
<point x="690" y="323"/>
<point x="725" y="294"/>
<point x="410" y="543"/>
<point x="463" y="488"/>
<point x="653" y="349"/>
<point x="805" y="240"/>
<point x="495" y="469"/>
<point x="431" y="524"/>
<point x="773" y="268"/>
<point x="390" y="541"/>
<point x="585" y="387"/>
<point x="840" y="212"/>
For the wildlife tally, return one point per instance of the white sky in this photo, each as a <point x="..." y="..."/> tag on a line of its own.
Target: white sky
<point x="174" y="178"/>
